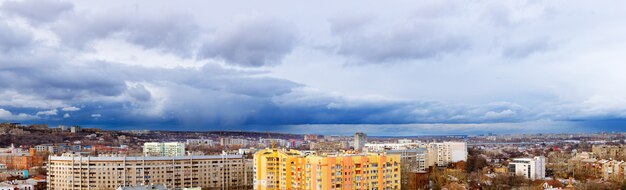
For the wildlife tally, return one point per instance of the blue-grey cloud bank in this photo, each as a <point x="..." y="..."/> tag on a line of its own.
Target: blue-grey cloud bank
<point x="386" y="68"/>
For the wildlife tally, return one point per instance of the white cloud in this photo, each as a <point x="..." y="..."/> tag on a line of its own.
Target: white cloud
<point x="48" y="112"/>
<point x="96" y="115"/>
<point x="67" y="115"/>
<point x="70" y="109"/>
<point x="8" y="116"/>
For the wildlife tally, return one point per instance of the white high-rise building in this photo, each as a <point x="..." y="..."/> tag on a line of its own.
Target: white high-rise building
<point x="359" y="140"/>
<point x="531" y="168"/>
<point x="441" y="154"/>
<point x="164" y="149"/>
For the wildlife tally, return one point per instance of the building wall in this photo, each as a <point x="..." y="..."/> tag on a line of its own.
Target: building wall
<point x="197" y="142"/>
<point x="441" y="154"/>
<point x="280" y="169"/>
<point x="392" y="146"/>
<point x="522" y="167"/>
<point x="531" y="168"/>
<point x="609" y="151"/>
<point x="164" y="149"/>
<point x="359" y="141"/>
<point x="77" y="172"/>
<point x="412" y="160"/>
<point x="22" y="161"/>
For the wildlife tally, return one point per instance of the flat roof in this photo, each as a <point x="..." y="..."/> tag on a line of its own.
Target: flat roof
<point x="138" y="158"/>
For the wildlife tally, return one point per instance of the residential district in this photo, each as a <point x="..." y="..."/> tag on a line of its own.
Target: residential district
<point x="36" y="157"/>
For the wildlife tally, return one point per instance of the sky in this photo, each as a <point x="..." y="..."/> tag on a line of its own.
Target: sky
<point x="328" y="67"/>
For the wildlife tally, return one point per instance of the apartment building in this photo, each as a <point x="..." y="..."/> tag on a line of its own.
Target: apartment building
<point x="200" y="142"/>
<point x="72" y="172"/>
<point x="429" y="154"/>
<point x="378" y="147"/>
<point x="291" y="169"/>
<point x="593" y="168"/>
<point x="359" y="141"/>
<point x="531" y="168"/>
<point x="329" y="145"/>
<point x="234" y="142"/>
<point x="164" y="149"/>
<point x="412" y="161"/>
<point x="441" y="154"/>
<point x="18" y="160"/>
<point x="616" y="152"/>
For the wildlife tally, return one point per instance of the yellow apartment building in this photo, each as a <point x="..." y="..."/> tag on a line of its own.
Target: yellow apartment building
<point x="291" y="169"/>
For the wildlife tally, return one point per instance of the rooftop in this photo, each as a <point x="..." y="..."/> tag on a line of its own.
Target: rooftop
<point x="122" y="158"/>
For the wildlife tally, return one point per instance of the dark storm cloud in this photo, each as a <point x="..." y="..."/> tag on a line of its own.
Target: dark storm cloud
<point x="119" y="93"/>
<point x="309" y="108"/>
<point x="251" y="43"/>
<point x="194" y="98"/>
<point x="55" y="80"/>
<point x="139" y="92"/>
<point x="37" y="11"/>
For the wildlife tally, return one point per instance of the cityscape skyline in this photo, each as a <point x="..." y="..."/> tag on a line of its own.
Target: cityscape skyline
<point x="401" y="68"/>
<point x="283" y="94"/>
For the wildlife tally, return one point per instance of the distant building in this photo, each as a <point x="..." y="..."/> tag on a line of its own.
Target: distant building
<point x="274" y="142"/>
<point x="609" y="151"/>
<point x="311" y="137"/>
<point x="18" y="160"/>
<point x="359" y="141"/>
<point x="329" y="145"/>
<point x="110" y="172"/>
<point x="246" y="151"/>
<point x="200" y="142"/>
<point x="371" y="147"/>
<point x="531" y="168"/>
<point x="234" y="142"/>
<point x="164" y="149"/>
<point x="441" y="154"/>
<point x="43" y="147"/>
<point x="612" y="169"/>
<point x="412" y="161"/>
<point x="58" y="148"/>
<point x="75" y="129"/>
<point x="290" y="169"/>
<point x="589" y="166"/>
<point x="63" y="128"/>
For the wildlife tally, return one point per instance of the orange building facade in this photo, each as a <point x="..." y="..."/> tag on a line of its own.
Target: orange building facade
<point x="22" y="162"/>
<point x="289" y="169"/>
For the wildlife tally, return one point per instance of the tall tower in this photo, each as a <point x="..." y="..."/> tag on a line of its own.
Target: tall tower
<point x="359" y="140"/>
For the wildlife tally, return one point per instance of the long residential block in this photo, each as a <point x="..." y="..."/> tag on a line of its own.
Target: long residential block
<point x="103" y="172"/>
